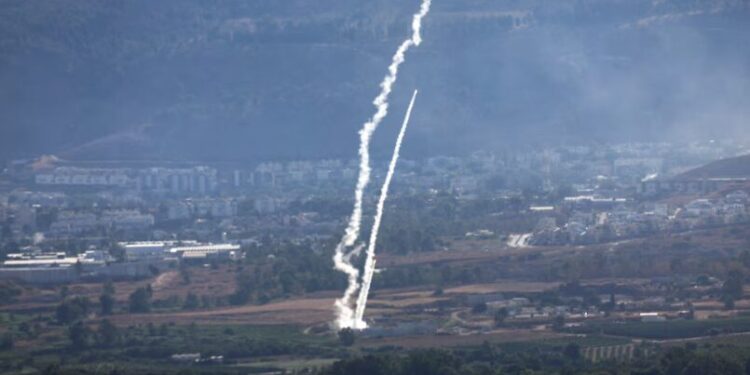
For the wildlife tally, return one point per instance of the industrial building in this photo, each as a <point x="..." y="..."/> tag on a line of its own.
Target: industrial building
<point x="207" y="251"/>
<point x="140" y="260"/>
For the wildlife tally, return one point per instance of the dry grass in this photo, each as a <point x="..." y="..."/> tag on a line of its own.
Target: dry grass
<point x="431" y="341"/>
<point x="204" y="281"/>
<point x="297" y="311"/>
<point x="503" y="287"/>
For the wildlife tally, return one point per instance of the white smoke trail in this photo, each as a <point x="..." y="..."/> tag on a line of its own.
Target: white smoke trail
<point x="359" y="322"/>
<point x="341" y="262"/>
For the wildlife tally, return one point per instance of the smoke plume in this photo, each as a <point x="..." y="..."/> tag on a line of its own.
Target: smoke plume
<point x="342" y="262"/>
<point x="359" y="322"/>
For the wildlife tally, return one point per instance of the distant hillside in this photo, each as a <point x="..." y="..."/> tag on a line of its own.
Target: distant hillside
<point x="732" y="167"/>
<point x="253" y="79"/>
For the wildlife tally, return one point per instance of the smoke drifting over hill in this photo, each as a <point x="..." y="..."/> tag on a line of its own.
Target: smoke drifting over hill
<point x="268" y="79"/>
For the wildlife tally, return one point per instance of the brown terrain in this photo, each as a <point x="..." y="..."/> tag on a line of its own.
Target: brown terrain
<point x="737" y="167"/>
<point x="400" y="304"/>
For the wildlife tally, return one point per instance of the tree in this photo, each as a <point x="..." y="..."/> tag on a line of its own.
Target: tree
<point x="107" y="299"/>
<point x="117" y="252"/>
<point x="151" y="328"/>
<point x="185" y="274"/>
<point x="8" y="292"/>
<point x="479" y="308"/>
<point x="347" y="337"/>
<point x="732" y="287"/>
<point x="73" y="309"/>
<point x="163" y="330"/>
<point x="704" y="364"/>
<point x="154" y="270"/>
<point x="191" y="302"/>
<point x="559" y="322"/>
<point x="500" y="316"/>
<point x="108" y="334"/>
<point x="572" y="351"/>
<point x="240" y="297"/>
<point x="609" y="305"/>
<point x="691" y="312"/>
<point x="367" y="365"/>
<point x="206" y="301"/>
<point x="26" y="328"/>
<point x="52" y="369"/>
<point x="6" y="342"/>
<point x="431" y="361"/>
<point x="139" y="301"/>
<point x="64" y="292"/>
<point x="744" y="258"/>
<point x="728" y="302"/>
<point x="703" y="280"/>
<point x="108" y="288"/>
<point x="79" y="335"/>
<point x="107" y="303"/>
<point x="674" y="360"/>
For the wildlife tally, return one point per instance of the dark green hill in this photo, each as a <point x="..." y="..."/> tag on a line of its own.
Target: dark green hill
<point x="242" y="80"/>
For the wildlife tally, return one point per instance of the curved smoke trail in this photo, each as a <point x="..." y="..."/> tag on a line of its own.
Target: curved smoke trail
<point x="359" y="322"/>
<point x="345" y="313"/>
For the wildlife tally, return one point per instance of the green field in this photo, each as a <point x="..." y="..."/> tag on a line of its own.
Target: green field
<point x="150" y="347"/>
<point x="674" y="329"/>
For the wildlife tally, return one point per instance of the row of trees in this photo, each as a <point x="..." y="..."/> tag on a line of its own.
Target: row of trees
<point x="140" y="301"/>
<point x="9" y="291"/>
<point x="733" y="287"/>
<point x="280" y="269"/>
<point x="566" y="359"/>
<point x="82" y="336"/>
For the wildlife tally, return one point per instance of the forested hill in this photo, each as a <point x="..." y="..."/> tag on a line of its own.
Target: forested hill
<point x="242" y="80"/>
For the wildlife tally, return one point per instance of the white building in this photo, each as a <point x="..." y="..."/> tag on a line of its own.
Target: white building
<point x="207" y="251"/>
<point x="84" y="177"/>
<point x="94" y="257"/>
<point x="651" y="317"/>
<point x="138" y="251"/>
<point x="42" y="260"/>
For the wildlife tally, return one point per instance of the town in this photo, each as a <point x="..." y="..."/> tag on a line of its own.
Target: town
<point x="626" y="236"/>
<point x="567" y="195"/>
